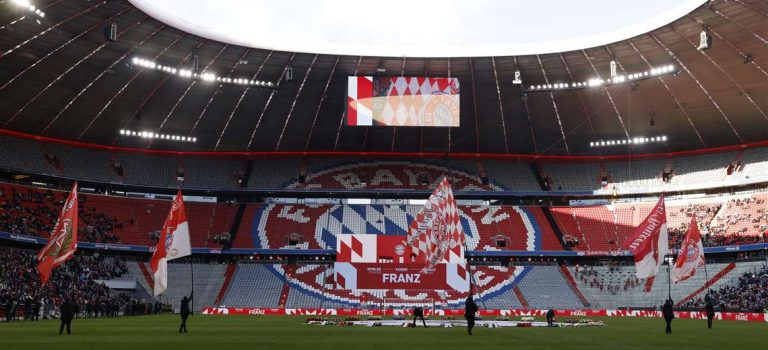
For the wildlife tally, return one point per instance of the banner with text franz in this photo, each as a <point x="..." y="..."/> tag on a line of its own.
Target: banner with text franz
<point x="366" y="261"/>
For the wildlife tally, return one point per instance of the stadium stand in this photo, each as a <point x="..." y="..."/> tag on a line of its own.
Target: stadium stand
<point x="76" y="279"/>
<point x="754" y="163"/>
<point x="545" y="287"/>
<point x="211" y="173"/>
<point x="573" y="176"/>
<point x="326" y="173"/>
<point x="511" y="176"/>
<point x="114" y="219"/>
<point x="351" y="174"/>
<point x="255" y="285"/>
<point x="605" y="227"/>
<point x="208" y="280"/>
<point x="700" y="169"/>
<point x="110" y="219"/>
<point x="615" y="286"/>
<point x="148" y="170"/>
<point x="23" y="155"/>
<point x="742" y="217"/>
<point x="85" y="164"/>
<point x="635" y="175"/>
<point x="272" y="174"/>
<point x="749" y="293"/>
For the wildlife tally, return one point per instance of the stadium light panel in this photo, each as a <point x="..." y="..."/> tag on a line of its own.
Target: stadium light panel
<point x="614" y="80"/>
<point x="206" y="76"/>
<point x="154" y="135"/>
<point x="631" y="141"/>
<point x="29" y="6"/>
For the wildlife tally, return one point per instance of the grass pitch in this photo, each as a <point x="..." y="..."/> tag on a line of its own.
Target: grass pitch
<point x="289" y="332"/>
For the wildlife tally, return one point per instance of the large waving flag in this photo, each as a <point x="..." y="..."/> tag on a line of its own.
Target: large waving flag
<point x="62" y="244"/>
<point x="435" y="235"/>
<point x="649" y="242"/>
<point x="691" y="254"/>
<point x="173" y="243"/>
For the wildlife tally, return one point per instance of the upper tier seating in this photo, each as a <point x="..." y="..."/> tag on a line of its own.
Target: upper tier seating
<point x="511" y="175"/>
<point x="272" y="174"/>
<point x="22" y="154"/>
<point x="380" y="173"/>
<point x="351" y="174"/>
<point x="634" y="175"/>
<point x="573" y="176"/>
<point x="149" y="170"/>
<point x="211" y="173"/>
<point x="85" y="164"/>
<point x="755" y="163"/>
<point x="701" y="169"/>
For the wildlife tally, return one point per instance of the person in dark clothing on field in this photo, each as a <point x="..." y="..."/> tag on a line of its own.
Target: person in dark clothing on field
<point x="28" y="310"/>
<point x="709" y="308"/>
<point x="185" y="311"/>
<point x="550" y="318"/>
<point x="418" y="312"/>
<point x="470" y="308"/>
<point x="67" y="310"/>
<point x="10" y="309"/>
<point x="668" y="314"/>
<point x="36" y="310"/>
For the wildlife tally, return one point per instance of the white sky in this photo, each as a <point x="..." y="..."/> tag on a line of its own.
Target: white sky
<point x="418" y="28"/>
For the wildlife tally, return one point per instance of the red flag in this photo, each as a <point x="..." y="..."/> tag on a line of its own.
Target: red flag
<point x="63" y="242"/>
<point x="649" y="242"/>
<point x="436" y="234"/>
<point x="691" y="254"/>
<point x="172" y="244"/>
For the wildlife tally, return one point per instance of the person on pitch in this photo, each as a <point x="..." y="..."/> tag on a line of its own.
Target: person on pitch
<point x="418" y="312"/>
<point x="185" y="311"/>
<point x="668" y="314"/>
<point x="550" y="318"/>
<point x="67" y="311"/>
<point x="470" y="308"/>
<point x="709" y="309"/>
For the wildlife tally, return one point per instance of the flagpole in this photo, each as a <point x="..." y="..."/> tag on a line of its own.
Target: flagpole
<point x="192" y="295"/>
<point x="669" y="276"/>
<point x="706" y="275"/>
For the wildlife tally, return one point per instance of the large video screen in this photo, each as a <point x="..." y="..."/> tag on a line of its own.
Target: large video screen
<point x="402" y="101"/>
<point x="373" y="262"/>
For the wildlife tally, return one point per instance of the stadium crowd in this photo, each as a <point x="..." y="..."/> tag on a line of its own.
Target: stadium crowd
<point x="716" y="235"/>
<point x="21" y="295"/>
<point x="749" y="295"/>
<point x="33" y="212"/>
<point x="750" y="215"/>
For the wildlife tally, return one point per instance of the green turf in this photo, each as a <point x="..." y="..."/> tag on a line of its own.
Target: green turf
<point x="285" y="332"/>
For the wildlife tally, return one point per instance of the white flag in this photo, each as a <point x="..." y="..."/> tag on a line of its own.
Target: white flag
<point x="173" y="244"/>
<point x="691" y="254"/>
<point x="650" y="243"/>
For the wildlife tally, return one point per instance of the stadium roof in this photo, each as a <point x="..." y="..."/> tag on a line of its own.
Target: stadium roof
<point x="59" y="77"/>
<point x="424" y="28"/>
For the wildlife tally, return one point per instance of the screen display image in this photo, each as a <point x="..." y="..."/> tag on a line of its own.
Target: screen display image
<point x="367" y="261"/>
<point x="402" y="101"/>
